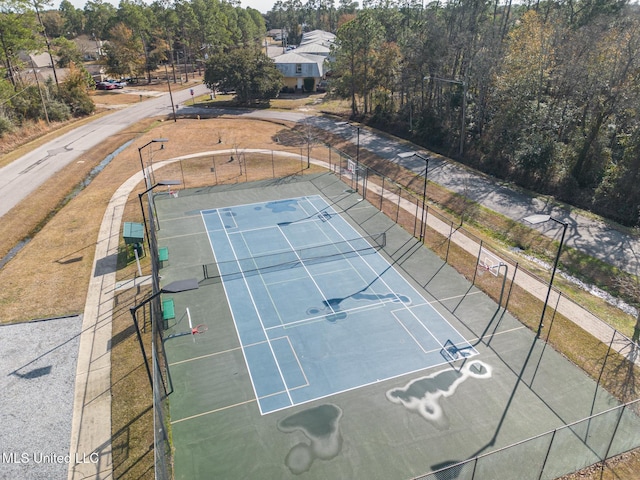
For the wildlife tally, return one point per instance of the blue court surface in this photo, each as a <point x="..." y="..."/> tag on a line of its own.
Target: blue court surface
<point x="317" y="308"/>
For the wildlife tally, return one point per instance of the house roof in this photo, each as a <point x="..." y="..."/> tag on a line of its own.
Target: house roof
<point x="40" y="60"/>
<point x="314" y="49"/>
<point x="294" y="57"/>
<point x="318" y="35"/>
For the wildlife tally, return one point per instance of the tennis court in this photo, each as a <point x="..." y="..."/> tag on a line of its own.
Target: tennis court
<point x="317" y="309"/>
<point x="337" y="346"/>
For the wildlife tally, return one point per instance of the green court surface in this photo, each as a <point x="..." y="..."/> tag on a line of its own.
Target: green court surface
<point x="397" y="427"/>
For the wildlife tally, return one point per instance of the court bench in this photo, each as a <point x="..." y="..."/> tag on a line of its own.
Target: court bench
<point x="163" y="255"/>
<point x="168" y="309"/>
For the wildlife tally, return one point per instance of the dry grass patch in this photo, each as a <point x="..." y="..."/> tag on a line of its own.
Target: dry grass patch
<point x="132" y="411"/>
<point x="49" y="276"/>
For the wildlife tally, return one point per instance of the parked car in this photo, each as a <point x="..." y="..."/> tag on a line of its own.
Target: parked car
<point x="118" y="83"/>
<point x="105" y="86"/>
<point x="322" y="86"/>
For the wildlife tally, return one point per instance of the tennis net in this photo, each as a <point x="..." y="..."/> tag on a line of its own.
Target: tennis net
<point x="311" y="255"/>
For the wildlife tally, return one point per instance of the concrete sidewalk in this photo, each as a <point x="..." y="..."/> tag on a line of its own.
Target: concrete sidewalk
<point x="91" y="426"/>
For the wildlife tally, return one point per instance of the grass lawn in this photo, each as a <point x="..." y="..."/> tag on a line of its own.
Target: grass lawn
<point x="50" y="275"/>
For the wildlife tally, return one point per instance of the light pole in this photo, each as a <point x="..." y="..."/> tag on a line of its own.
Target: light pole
<point x="535" y="220"/>
<point x="155" y="140"/>
<point x="357" y="127"/>
<point x="174" y="287"/>
<point x="161" y="183"/>
<point x="464" y="106"/>
<point x="424" y="189"/>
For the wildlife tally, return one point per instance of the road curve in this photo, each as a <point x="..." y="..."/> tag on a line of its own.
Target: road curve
<point x="26" y="174"/>
<point x="596" y="238"/>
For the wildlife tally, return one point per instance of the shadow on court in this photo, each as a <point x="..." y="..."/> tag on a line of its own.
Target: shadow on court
<point x="400" y="426"/>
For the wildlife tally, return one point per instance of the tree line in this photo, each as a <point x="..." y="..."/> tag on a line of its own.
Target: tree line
<point x="542" y="93"/>
<point x="136" y="38"/>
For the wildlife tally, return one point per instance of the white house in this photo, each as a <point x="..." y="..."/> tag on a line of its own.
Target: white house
<point x="308" y="61"/>
<point x="295" y="67"/>
<point x="319" y="37"/>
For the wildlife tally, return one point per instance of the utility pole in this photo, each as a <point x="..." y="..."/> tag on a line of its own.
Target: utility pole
<point x="46" y="39"/>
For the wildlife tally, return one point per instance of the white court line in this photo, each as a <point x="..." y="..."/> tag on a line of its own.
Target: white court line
<point x="295" y="354"/>
<point x="182" y="236"/>
<point x="221" y="409"/>
<point x="227" y="213"/>
<point x="255" y="307"/>
<point x="204" y="356"/>
<point x="304" y="266"/>
<point x="304" y="321"/>
<point x="515" y="329"/>
<point x="411" y="334"/>
<point x="391" y="267"/>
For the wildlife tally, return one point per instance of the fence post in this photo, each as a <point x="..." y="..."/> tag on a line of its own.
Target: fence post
<point x="513" y="280"/>
<point x="365" y="182"/>
<point x="604" y="363"/>
<point x="553" y="317"/>
<point x="475" y="465"/>
<point x="415" y="220"/>
<point x="475" y="270"/>
<point x="446" y="258"/>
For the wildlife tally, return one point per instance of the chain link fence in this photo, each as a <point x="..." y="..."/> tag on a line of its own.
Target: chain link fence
<point x="613" y="357"/>
<point x="613" y="361"/>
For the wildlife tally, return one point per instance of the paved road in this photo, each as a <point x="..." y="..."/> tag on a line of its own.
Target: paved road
<point x="593" y="237"/>
<point x="20" y="178"/>
<point x="596" y="238"/>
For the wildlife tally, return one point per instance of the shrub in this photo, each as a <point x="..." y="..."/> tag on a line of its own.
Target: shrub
<point x="6" y="125"/>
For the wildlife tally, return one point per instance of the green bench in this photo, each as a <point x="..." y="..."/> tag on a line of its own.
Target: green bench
<point x="168" y="309"/>
<point x="163" y="255"/>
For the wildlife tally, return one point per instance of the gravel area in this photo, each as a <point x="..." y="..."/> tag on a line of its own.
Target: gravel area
<point x="37" y="380"/>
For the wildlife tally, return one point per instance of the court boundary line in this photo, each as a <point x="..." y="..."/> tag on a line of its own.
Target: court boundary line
<point x="209" y="412"/>
<point x="295" y="354"/>
<point x="393" y="312"/>
<point x="313" y="201"/>
<point x="180" y="362"/>
<point x="183" y="236"/>
<point x="303" y="321"/>
<point x="255" y="307"/>
<point x="390" y="266"/>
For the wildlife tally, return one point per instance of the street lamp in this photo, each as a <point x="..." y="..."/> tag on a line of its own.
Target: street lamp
<point x="161" y="183"/>
<point x="357" y="127"/>
<point x="464" y="105"/>
<point x="174" y="287"/>
<point x="535" y="220"/>
<point x="424" y="189"/>
<point x="155" y="140"/>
